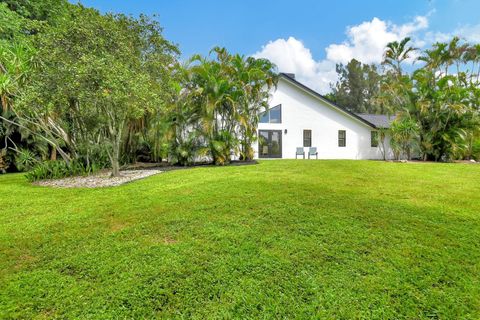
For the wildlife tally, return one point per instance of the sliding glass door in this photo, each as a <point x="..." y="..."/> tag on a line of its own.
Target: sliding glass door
<point x="270" y="143"/>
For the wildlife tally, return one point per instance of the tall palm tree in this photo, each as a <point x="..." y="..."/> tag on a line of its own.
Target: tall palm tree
<point x="434" y="58"/>
<point x="396" y="53"/>
<point x="220" y="100"/>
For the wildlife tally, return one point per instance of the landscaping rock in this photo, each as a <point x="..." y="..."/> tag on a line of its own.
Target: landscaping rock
<point x="102" y="179"/>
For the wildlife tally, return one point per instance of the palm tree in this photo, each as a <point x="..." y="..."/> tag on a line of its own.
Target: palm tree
<point x="396" y="53"/>
<point x="404" y="133"/>
<point x="219" y="104"/>
<point x="472" y="54"/>
<point x="434" y="58"/>
<point x="256" y="79"/>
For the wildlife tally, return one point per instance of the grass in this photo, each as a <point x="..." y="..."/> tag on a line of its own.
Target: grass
<point x="282" y="239"/>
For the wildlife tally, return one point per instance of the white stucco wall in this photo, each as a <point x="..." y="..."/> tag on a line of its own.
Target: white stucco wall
<point x="302" y="110"/>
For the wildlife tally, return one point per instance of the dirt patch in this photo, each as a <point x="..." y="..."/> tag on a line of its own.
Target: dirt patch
<point x="24" y="260"/>
<point x="159" y="239"/>
<point x="99" y="180"/>
<point x="168" y="240"/>
<point x="116" y="226"/>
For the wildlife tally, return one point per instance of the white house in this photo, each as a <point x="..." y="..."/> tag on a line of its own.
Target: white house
<point x="299" y="117"/>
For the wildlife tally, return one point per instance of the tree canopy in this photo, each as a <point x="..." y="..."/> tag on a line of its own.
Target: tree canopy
<point x="109" y="90"/>
<point x="358" y="84"/>
<point x="104" y="90"/>
<point x="93" y="79"/>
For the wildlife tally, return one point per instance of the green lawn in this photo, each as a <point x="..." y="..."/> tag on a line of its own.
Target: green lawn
<point x="282" y="239"/>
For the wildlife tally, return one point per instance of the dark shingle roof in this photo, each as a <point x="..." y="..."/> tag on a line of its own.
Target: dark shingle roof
<point x="379" y="120"/>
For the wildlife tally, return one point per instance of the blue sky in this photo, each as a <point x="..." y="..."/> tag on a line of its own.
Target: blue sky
<point x="304" y="37"/>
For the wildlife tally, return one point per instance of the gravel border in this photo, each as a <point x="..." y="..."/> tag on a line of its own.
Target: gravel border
<point x="99" y="180"/>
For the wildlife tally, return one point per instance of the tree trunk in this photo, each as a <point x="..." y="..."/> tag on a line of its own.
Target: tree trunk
<point x="115" y="168"/>
<point x="115" y="158"/>
<point x="53" y="154"/>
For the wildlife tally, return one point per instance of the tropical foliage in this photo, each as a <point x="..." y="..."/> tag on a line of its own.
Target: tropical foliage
<point x="88" y="90"/>
<point x="438" y="105"/>
<point x="54" y="169"/>
<point x="356" y="88"/>
<point x="105" y="90"/>
<point x="96" y="90"/>
<point x="219" y="101"/>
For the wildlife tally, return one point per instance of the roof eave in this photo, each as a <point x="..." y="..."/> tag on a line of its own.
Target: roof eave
<point x="322" y="98"/>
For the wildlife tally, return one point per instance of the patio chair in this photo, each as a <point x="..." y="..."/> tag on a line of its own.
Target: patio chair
<point x="312" y="151"/>
<point x="300" y="152"/>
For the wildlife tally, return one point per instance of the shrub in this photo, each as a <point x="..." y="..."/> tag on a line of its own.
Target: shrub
<point x="476" y="150"/>
<point x="25" y="160"/>
<point x="59" y="169"/>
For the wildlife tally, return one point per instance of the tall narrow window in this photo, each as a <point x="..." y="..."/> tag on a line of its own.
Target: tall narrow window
<point x="342" y="138"/>
<point x="272" y="115"/>
<point x="307" y="138"/>
<point x="374" y="139"/>
<point x="276" y="114"/>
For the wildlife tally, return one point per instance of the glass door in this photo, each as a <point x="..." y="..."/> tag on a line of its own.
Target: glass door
<point x="270" y="143"/>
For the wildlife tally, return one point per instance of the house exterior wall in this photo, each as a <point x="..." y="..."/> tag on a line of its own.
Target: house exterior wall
<point x="301" y="110"/>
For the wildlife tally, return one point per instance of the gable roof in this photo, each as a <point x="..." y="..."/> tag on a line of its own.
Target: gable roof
<point x="322" y="98"/>
<point x="379" y="120"/>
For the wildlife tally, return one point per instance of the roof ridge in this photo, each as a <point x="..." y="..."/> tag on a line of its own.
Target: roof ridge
<point x="294" y="81"/>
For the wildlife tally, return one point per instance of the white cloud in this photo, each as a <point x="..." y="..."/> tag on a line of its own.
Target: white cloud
<point x="293" y="57"/>
<point x="469" y="33"/>
<point x="365" y="42"/>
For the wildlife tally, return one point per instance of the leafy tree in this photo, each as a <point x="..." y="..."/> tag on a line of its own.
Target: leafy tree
<point x="41" y="10"/>
<point x="97" y="74"/>
<point x="16" y="52"/>
<point x="444" y="106"/>
<point x="15" y="67"/>
<point x="358" y="84"/>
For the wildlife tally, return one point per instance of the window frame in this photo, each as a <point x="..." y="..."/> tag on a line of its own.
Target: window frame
<point x="374" y="139"/>
<point x="309" y="138"/>
<point x="342" y="141"/>
<point x="268" y="115"/>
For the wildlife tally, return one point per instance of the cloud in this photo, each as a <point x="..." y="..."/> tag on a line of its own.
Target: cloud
<point x="470" y="33"/>
<point x="365" y="42"/>
<point x="292" y="56"/>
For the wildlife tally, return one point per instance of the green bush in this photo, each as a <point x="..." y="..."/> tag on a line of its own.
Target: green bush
<point x="476" y="150"/>
<point x="59" y="169"/>
<point x="25" y="160"/>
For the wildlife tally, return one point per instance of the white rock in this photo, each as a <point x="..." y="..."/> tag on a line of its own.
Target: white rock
<point x="99" y="180"/>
